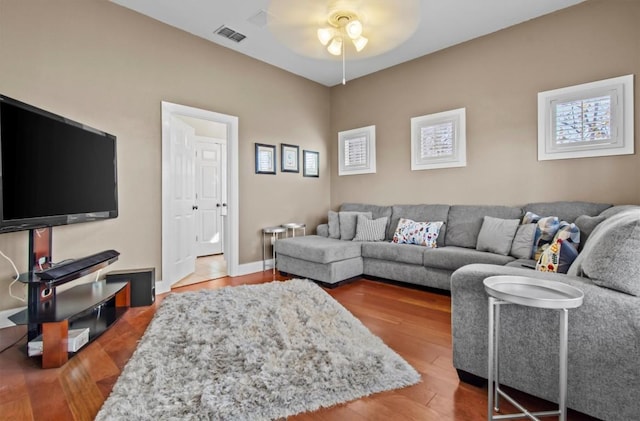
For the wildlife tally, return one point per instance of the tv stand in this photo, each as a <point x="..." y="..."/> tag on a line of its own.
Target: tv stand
<point x="96" y="305"/>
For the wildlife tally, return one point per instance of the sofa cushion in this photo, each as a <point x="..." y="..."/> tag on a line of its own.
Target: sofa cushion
<point x="376" y="211"/>
<point x="404" y="253"/>
<point x="314" y="248"/>
<point x="370" y="229"/>
<point x="586" y="224"/>
<point x="496" y="235"/>
<point x="567" y="211"/>
<point x="453" y="258"/>
<point x="420" y="213"/>
<point x="464" y="222"/>
<point x="597" y="237"/>
<point x="323" y="230"/>
<point x="614" y="262"/>
<point x="522" y="246"/>
<point x="349" y="222"/>
<point x="334" y="224"/>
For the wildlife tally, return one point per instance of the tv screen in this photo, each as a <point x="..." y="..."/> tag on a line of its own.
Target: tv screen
<point x="53" y="170"/>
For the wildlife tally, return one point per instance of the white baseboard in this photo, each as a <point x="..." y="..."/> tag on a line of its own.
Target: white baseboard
<point x="253" y="267"/>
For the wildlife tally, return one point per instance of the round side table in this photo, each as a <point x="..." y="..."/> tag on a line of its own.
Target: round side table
<point x="293" y="226"/>
<point x="530" y="292"/>
<point x="272" y="233"/>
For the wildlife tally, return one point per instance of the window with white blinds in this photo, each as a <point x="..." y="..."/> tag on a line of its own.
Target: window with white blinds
<point x="438" y="140"/>
<point x="583" y="120"/>
<point x="357" y="151"/>
<point x="592" y="119"/>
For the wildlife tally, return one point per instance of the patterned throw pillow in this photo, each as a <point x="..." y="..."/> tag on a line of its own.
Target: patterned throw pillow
<point x="420" y="233"/>
<point x="568" y="232"/>
<point x="370" y="230"/>
<point x="557" y="257"/>
<point x="545" y="231"/>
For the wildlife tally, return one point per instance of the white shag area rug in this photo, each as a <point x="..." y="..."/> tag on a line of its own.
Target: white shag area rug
<point x="254" y="352"/>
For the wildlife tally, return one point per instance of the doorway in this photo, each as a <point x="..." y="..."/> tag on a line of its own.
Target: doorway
<point x="180" y="202"/>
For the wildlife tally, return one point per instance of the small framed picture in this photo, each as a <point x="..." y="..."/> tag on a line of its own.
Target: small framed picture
<point x="289" y="158"/>
<point x="265" y="159"/>
<point x="311" y="164"/>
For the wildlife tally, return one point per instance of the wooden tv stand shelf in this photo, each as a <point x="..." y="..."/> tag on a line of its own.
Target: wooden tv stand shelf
<point x="95" y="305"/>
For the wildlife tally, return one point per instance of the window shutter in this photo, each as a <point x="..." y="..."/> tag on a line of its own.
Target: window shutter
<point x="355" y="152"/>
<point x="436" y="140"/>
<point x="583" y="120"/>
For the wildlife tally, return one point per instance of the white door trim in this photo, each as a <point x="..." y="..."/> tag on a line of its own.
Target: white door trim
<point x="231" y="222"/>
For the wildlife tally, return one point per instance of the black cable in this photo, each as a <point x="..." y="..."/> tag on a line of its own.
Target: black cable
<point x="13" y="344"/>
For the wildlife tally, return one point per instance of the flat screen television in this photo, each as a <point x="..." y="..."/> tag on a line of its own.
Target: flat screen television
<point x="53" y="171"/>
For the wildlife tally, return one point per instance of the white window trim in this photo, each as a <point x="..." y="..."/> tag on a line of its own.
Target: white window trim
<point x="459" y="156"/>
<point x="622" y="118"/>
<point x="369" y="167"/>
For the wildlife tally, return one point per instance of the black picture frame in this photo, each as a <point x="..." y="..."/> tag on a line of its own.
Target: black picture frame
<point x="265" y="158"/>
<point x="289" y="158"/>
<point x="310" y="163"/>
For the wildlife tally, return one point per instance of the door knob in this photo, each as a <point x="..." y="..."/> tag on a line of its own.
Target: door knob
<point x="224" y="204"/>
<point x="194" y="207"/>
<point x="217" y="205"/>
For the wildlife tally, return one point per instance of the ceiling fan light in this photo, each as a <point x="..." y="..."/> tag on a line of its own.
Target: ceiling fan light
<point x="354" y="29"/>
<point x="325" y="35"/>
<point x="335" y="47"/>
<point x="360" y="43"/>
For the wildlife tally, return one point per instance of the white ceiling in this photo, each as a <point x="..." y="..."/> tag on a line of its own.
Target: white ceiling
<point x="441" y="24"/>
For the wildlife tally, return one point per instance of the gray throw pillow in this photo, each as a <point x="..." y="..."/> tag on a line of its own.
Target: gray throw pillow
<point x="522" y="247"/>
<point x="614" y="262"/>
<point x="496" y="235"/>
<point x="586" y="225"/>
<point x="348" y="223"/>
<point x="334" y="225"/>
<point x="370" y="229"/>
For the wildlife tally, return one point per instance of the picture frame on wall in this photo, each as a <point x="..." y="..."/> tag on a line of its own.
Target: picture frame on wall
<point x="289" y="155"/>
<point x="310" y="163"/>
<point x="265" y="159"/>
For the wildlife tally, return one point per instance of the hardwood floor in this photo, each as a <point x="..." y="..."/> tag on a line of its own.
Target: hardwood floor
<point x="415" y="323"/>
<point x="207" y="267"/>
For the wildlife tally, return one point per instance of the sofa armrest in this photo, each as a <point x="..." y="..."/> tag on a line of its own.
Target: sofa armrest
<point x="604" y="340"/>
<point x="323" y="230"/>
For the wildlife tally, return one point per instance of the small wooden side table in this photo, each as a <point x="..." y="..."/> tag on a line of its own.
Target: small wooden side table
<point x="536" y="293"/>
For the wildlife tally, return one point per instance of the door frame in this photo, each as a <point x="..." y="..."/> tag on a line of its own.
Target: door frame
<point x="230" y="245"/>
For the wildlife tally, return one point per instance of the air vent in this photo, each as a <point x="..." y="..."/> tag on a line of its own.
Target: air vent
<point x="230" y="33"/>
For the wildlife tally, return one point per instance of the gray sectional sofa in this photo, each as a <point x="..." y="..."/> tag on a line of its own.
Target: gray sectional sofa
<point x="332" y="261"/>
<point x="604" y="333"/>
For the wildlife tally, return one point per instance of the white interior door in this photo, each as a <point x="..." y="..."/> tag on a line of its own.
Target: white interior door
<point x="230" y="188"/>
<point x="182" y="203"/>
<point x="210" y="195"/>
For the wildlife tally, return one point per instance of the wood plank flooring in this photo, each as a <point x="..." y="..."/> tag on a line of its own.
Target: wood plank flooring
<point x="415" y="323"/>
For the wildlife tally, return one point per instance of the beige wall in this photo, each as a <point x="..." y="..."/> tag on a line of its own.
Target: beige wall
<point x="497" y="79"/>
<point x="106" y="66"/>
